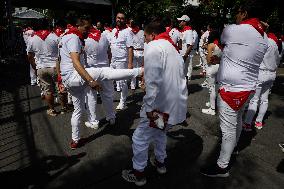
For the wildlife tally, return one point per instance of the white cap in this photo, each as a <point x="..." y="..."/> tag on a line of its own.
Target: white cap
<point x="184" y="18"/>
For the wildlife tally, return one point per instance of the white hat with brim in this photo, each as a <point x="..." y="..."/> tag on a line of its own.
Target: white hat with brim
<point x="184" y="18"/>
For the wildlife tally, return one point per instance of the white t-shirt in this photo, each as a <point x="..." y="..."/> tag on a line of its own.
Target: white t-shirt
<point x="166" y="89"/>
<point x="187" y="39"/>
<point x="96" y="52"/>
<point x="195" y="39"/>
<point x="120" y="44"/>
<point x="271" y="58"/>
<point x="175" y="35"/>
<point x="243" y="52"/>
<point x="70" y="43"/>
<point x="46" y="51"/>
<point x="138" y="43"/>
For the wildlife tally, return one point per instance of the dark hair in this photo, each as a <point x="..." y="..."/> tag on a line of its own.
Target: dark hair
<point x="256" y="8"/>
<point x="156" y="27"/>
<point x="80" y="20"/>
<point x="41" y="24"/>
<point x="213" y="35"/>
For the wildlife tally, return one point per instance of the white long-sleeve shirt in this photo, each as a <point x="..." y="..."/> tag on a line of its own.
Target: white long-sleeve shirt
<point x="165" y="82"/>
<point x="243" y="52"/>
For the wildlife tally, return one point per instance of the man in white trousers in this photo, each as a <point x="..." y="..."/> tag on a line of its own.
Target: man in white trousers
<point x="76" y="78"/>
<point x="164" y="105"/>
<point x="122" y="54"/>
<point x="244" y="49"/>
<point x="266" y="77"/>
<point x="138" y="46"/>
<point x="97" y="48"/>
<point x="187" y="45"/>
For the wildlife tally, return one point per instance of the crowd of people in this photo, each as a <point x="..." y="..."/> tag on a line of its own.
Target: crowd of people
<point x="81" y="60"/>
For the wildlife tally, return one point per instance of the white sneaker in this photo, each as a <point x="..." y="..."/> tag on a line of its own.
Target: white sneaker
<point x="209" y="111"/>
<point x="112" y="121"/>
<point x="207" y="104"/>
<point x="92" y="125"/>
<point x="120" y="106"/>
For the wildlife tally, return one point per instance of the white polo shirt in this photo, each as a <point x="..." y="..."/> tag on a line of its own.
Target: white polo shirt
<point x="138" y="43"/>
<point x="187" y="39"/>
<point x="70" y="43"/>
<point x="96" y="51"/>
<point x="271" y="58"/>
<point x="46" y="51"/>
<point x="120" y="44"/>
<point x="243" y="52"/>
<point x="175" y="35"/>
<point x="166" y="89"/>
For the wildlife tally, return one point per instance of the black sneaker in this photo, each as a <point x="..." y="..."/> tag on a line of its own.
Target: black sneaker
<point x="134" y="176"/>
<point x="215" y="171"/>
<point x="160" y="167"/>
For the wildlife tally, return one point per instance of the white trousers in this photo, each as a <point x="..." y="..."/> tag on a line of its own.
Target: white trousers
<point x="188" y="65"/>
<point x="77" y="88"/>
<point x="231" y="127"/>
<point x="107" y="99"/>
<point x="265" y="82"/>
<point x="137" y="63"/>
<point x="202" y="59"/>
<point x="121" y="85"/>
<point x="142" y="137"/>
<point x="33" y="75"/>
<point x="211" y="74"/>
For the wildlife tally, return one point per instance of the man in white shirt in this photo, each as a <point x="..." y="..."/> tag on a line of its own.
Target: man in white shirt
<point x="164" y="105"/>
<point x="97" y="51"/>
<point x="138" y="45"/>
<point x="44" y="47"/>
<point x="122" y="54"/>
<point x="187" y="44"/>
<point x="76" y="78"/>
<point x="244" y="48"/>
<point x="27" y="34"/>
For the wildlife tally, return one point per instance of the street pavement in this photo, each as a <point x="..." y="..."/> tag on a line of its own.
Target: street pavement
<point x="35" y="153"/>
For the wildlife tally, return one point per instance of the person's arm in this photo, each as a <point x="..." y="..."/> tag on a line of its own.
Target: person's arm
<point x="81" y="70"/>
<point x="189" y="42"/>
<point x="210" y="49"/>
<point x="130" y="57"/>
<point x="31" y="58"/>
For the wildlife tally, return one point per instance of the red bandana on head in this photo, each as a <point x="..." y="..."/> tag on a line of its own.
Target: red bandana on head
<point x="42" y="34"/>
<point x="74" y="30"/>
<point x="95" y="34"/>
<point x="108" y="28"/>
<point x="118" y="29"/>
<point x="135" y="30"/>
<point x="254" y="22"/>
<point x="166" y="36"/>
<point x="274" y="38"/>
<point x="185" y="28"/>
<point x="58" y="31"/>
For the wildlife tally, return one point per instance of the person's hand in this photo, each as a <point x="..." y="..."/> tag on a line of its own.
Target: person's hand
<point x="95" y="85"/>
<point x="61" y="88"/>
<point x="215" y="60"/>
<point x="152" y="116"/>
<point x="130" y="66"/>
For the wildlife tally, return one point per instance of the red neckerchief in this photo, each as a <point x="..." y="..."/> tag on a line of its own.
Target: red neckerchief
<point x="95" y="34"/>
<point x="58" y="31"/>
<point x="274" y="38"/>
<point x="235" y="100"/>
<point x="168" y="29"/>
<point x="254" y="22"/>
<point x="135" y="30"/>
<point x="69" y="26"/>
<point x="74" y="30"/>
<point x="108" y="28"/>
<point x="185" y="28"/>
<point x="216" y="42"/>
<point x="166" y="36"/>
<point x="118" y="29"/>
<point x="42" y="34"/>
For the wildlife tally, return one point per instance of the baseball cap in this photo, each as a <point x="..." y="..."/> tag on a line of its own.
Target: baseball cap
<point x="184" y="18"/>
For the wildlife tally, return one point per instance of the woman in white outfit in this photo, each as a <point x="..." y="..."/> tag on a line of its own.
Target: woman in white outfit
<point x="212" y="70"/>
<point x="266" y="77"/>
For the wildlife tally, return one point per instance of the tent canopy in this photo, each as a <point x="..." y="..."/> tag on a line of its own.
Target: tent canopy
<point x="28" y="14"/>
